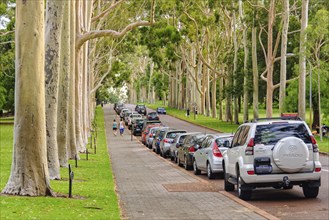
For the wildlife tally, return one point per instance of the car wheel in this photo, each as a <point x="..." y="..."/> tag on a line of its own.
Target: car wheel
<point x="229" y="187"/>
<point x="210" y="174"/>
<point x="243" y="194"/>
<point x="179" y="163"/>
<point x="195" y="168"/>
<point x="310" y="192"/>
<point x="186" y="166"/>
<point x="288" y="187"/>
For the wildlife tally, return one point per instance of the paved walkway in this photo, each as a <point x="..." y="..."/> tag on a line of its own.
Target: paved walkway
<point x="151" y="188"/>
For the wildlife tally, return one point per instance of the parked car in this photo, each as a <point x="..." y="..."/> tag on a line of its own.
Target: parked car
<point x="177" y="142"/>
<point x="119" y="107"/>
<point x="161" y="110"/>
<point x="132" y="116"/>
<point x="186" y="151"/>
<point x="148" y="122"/>
<point x="136" y="126"/>
<point x="159" y="135"/>
<point x="277" y="152"/>
<point x="152" y="116"/>
<point x="168" y="139"/>
<point x="123" y="112"/>
<point x="209" y="156"/>
<point x="141" y="109"/>
<point x="150" y="135"/>
<point x="146" y="131"/>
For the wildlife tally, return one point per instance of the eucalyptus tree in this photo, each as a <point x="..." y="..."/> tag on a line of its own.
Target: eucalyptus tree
<point x="29" y="172"/>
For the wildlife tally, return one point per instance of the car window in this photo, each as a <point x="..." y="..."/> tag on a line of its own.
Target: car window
<point x="220" y="141"/>
<point x="272" y="133"/>
<point x="244" y="135"/>
<point x="235" y="141"/>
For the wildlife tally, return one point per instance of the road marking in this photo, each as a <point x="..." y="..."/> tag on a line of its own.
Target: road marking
<point x="325" y="170"/>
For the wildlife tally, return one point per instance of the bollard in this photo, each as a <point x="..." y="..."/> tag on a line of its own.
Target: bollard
<point x="76" y="161"/>
<point x="94" y="145"/>
<point x="71" y="176"/>
<point x="91" y="140"/>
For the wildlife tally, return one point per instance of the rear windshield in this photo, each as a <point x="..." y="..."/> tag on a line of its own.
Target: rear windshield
<point x="272" y="133"/>
<point x="172" y="135"/>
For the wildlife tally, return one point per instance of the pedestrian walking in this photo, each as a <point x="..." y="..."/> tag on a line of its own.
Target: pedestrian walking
<point x="122" y="127"/>
<point x="188" y="112"/>
<point x="115" y="127"/>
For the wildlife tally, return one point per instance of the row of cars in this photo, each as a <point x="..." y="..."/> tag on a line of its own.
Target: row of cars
<point x="191" y="150"/>
<point x="271" y="152"/>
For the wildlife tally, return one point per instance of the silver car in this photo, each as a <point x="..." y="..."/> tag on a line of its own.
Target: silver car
<point x="168" y="140"/>
<point x="159" y="135"/>
<point x="209" y="156"/>
<point x="150" y="136"/>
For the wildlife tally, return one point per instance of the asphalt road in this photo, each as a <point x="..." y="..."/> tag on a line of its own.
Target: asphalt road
<point x="284" y="204"/>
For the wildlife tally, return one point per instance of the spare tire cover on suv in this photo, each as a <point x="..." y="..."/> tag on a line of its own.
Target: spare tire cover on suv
<point x="290" y="154"/>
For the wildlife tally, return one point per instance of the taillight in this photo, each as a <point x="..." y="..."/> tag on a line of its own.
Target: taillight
<point x="216" y="152"/>
<point x="250" y="147"/>
<point x="251" y="172"/>
<point x="191" y="149"/>
<point x="314" y="145"/>
<point x="166" y="140"/>
<point x="151" y="135"/>
<point x="317" y="169"/>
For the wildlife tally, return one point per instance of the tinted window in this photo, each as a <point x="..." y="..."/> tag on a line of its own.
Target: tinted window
<point x="220" y="141"/>
<point x="272" y="133"/>
<point x="235" y="141"/>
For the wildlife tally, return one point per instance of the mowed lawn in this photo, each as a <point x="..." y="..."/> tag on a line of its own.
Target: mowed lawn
<point x="94" y="195"/>
<point x="226" y="127"/>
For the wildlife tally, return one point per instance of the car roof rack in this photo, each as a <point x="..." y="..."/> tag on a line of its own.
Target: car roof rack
<point x="296" y="118"/>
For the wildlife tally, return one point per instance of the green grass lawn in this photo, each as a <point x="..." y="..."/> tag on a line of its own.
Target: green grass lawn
<point x="226" y="127"/>
<point x="94" y="194"/>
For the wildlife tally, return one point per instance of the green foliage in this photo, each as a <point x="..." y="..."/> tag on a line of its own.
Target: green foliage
<point x="94" y="195"/>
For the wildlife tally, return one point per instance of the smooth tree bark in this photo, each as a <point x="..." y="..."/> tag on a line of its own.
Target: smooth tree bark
<point x="283" y="67"/>
<point x="302" y="61"/>
<point x="235" y="63"/>
<point x="254" y="71"/>
<point x="29" y="174"/>
<point x="54" y="21"/>
<point x="64" y="87"/>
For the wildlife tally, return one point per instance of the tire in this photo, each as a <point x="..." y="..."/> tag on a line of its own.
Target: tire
<point x="195" y="168"/>
<point x="210" y="174"/>
<point x="186" y="166"/>
<point x="243" y="194"/>
<point x="310" y="192"/>
<point x="288" y="187"/>
<point x="229" y="187"/>
<point x="179" y="163"/>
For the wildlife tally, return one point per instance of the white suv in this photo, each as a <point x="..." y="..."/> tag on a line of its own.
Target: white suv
<point x="276" y="152"/>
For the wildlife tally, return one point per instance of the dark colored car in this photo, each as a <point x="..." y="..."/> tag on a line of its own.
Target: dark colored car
<point x="136" y="126"/>
<point x="186" y="151"/>
<point x="141" y="109"/>
<point x="119" y="107"/>
<point x="152" y="116"/>
<point x="161" y="110"/>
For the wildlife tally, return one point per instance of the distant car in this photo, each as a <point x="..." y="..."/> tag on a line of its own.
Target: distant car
<point x="152" y="116"/>
<point x="150" y="135"/>
<point x="161" y="110"/>
<point x="159" y="136"/>
<point x="209" y="156"/>
<point x="136" y="126"/>
<point x="146" y="130"/>
<point x="185" y="153"/>
<point x="168" y="139"/>
<point x="123" y="111"/>
<point x="132" y="116"/>
<point x="141" y="109"/>
<point x="148" y="122"/>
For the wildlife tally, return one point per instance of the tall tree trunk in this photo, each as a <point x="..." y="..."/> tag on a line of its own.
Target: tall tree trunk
<point x="220" y="98"/>
<point x="213" y="97"/>
<point x="29" y="174"/>
<point x="63" y="92"/>
<point x="149" y="99"/>
<point x="54" y="21"/>
<point x="283" y="70"/>
<point x="255" y="72"/>
<point x="269" y="62"/>
<point x="72" y="142"/>
<point x="302" y="61"/>
<point x="245" y="65"/>
<point x="235" y="63"/>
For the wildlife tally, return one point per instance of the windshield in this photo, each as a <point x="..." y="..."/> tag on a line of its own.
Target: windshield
<point x="272" y="133"/>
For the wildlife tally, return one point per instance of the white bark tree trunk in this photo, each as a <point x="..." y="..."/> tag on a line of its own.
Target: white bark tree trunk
<point x="302" y="61"/>
<point x="54" y="21"/>
<point x="29" y="174"/>
<point x="283" y="70"/>
<point x="255" y="72"/>
<point x="64" y="87"/>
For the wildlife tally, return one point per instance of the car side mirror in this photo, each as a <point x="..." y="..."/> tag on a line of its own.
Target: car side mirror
<point x="196" y="146"/>
<point x="178" y="145"/>
<point x="226" y="144"/>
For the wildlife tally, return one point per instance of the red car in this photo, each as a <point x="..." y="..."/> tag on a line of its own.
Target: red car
<point x="146" y="131"/>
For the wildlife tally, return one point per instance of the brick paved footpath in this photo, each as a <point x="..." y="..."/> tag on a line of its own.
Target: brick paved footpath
<point x="143" y="179"/>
